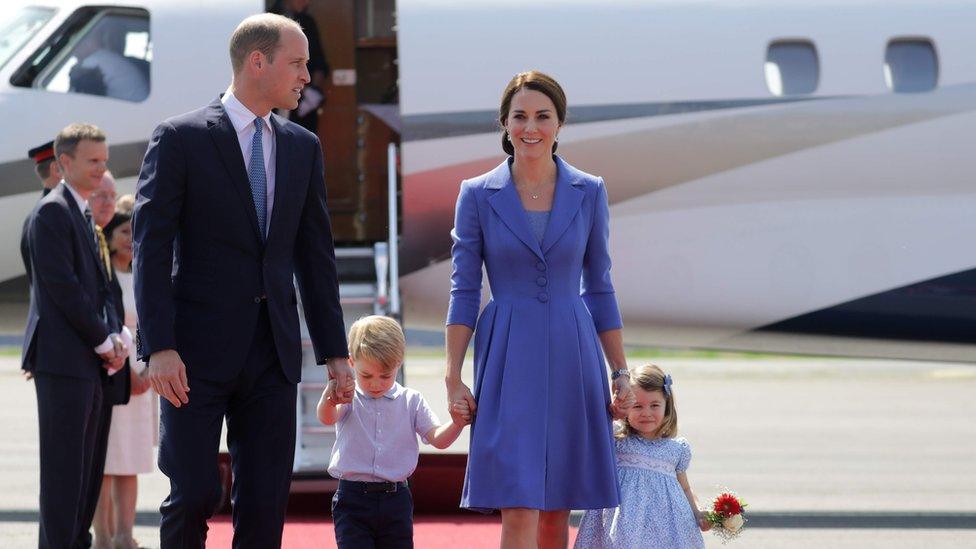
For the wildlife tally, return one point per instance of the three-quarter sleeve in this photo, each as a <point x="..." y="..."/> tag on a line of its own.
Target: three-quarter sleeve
<point x="596" y="287"/>
<point x="466" y="259"/>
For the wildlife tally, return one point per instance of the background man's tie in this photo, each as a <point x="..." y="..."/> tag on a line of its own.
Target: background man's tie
<point x="257" y="176"/>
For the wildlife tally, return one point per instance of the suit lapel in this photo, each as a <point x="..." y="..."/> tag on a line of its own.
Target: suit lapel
<point x="508" y="206"/>
<point x="225" y="138"/>
<point x="87" y="233"/>
<point x="565" y="203"/>
<point x="283" y="163"/>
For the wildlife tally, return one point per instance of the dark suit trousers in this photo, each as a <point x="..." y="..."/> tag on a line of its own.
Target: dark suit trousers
<point x="68" y="412"/>
<point x="260" y="408"/>
<point x="97" y="473"/>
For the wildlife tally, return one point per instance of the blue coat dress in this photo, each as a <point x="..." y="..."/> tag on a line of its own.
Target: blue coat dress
<point x="542" y="438"/>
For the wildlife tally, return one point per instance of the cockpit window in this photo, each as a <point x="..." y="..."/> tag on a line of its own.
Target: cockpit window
<point x="99" y="51"/>
<point x="19" y="26"/>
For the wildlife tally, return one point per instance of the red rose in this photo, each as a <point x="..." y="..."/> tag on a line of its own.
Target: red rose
<point x="727" y="505"/>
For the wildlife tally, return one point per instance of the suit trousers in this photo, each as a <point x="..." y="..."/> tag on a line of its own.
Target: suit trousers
<point x="259" y="405"/>
<point x="97" y="469"/>
<point x="68" y="412"/>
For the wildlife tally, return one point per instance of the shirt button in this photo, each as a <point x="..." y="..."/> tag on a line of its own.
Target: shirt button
<point x="541" y="266"/>
<point x="541" y="281"/>
<point x="543" y="297"/>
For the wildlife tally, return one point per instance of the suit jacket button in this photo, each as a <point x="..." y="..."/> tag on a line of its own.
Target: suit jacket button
<point x="257" y="299"/>
<point x="541" y="281"/>
<point x="541" y="266"/>
<point x="543" y="297"/>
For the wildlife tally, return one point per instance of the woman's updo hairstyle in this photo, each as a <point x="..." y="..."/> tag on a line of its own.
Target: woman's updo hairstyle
<point x="531" y="80"/>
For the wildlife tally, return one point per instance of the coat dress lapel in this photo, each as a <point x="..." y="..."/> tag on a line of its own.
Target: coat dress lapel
<point x="568" y="195"/>
<point x="225" y="138"/>
<point x="565" y="203"/>
<point x="507" y="204"/>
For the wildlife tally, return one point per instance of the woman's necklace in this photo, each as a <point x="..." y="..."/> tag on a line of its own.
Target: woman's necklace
<point x="535" y="194"/>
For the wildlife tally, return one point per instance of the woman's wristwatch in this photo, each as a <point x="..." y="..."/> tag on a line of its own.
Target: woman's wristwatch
<point x="618" y="373"/>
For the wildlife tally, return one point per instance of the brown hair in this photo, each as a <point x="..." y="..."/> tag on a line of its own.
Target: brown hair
<point x="651" y="378"/>
<point x="260" y="32"/>
<point x="531" y="80"/>
<point x="67" y="139"/>
<point x="43" y="168"/>
<point x="377" y="338"/>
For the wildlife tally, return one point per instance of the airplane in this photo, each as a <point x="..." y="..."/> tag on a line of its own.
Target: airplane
<point x="784" y="176"/>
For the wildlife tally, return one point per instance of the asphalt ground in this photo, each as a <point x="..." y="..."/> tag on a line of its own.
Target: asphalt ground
<point x="827" y="452"/>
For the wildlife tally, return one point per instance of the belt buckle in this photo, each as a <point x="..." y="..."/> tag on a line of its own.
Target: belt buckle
<point x="391" y="487"/>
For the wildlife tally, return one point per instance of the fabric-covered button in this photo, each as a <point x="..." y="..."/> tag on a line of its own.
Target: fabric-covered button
<point x="543" y="297"/>
<point x="541" y="266"/>
<point x="541" y="281"/>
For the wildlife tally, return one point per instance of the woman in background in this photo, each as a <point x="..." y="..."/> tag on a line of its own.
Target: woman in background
<point x="133" y="432"/>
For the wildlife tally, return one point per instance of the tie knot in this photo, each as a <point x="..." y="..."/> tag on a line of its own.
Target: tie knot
<point x="258" y="125"/>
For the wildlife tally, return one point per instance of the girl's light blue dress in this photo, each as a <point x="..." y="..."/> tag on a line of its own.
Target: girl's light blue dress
<point x="653" y="511"/>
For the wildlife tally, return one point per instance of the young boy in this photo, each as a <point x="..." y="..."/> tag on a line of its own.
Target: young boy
<point x="376" y="440"/>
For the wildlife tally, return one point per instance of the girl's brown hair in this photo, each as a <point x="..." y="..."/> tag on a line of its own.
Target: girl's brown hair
<point x="531" y="80"/>
<point x="652" y="378"/>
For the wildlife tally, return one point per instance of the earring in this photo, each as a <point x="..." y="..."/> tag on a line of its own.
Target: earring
<point x="508" y="136"/>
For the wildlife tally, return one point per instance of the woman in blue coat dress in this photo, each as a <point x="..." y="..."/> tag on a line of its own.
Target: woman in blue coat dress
<point x="541" y="441"/>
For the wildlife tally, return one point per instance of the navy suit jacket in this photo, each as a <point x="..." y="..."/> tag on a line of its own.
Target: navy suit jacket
<point x="203" y="270"/>
<point x="71" y="308"/>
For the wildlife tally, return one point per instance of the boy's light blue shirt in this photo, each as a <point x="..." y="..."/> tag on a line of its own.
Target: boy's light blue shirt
<point x="376" y="438"/>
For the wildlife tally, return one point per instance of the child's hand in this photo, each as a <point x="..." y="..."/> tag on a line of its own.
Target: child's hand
<point x="329" y="393"/>
<point x="703" y="522"/>
<point x="461" y="412"/>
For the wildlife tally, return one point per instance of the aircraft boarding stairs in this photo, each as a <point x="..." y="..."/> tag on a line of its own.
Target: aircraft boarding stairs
<point x="363" y="290"/>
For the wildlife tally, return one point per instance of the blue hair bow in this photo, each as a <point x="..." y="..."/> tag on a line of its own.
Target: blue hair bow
<point x="667" y="385"/>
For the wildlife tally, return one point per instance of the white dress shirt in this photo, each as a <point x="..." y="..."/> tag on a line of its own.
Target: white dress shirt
<point x="106" y="345"/>
<point x="243" y="120"/>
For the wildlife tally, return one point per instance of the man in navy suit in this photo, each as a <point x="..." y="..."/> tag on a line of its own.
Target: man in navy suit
<point x="230" y="211"/>
<point x="70" y="336"/>
<point x="50" y="175"/>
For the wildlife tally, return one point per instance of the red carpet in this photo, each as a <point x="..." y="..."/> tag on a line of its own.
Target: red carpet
<point x="431" y="531"/>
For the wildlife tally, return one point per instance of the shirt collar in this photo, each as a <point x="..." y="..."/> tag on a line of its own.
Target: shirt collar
<point x="240" y="116"/>
<point x="392" y="394"/>
<point x="82" y="203"/>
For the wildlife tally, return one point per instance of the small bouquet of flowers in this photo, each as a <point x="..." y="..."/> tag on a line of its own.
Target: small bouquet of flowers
<point x="727" y="515"/>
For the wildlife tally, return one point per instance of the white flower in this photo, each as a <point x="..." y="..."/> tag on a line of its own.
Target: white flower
<point x="733" y="523"/>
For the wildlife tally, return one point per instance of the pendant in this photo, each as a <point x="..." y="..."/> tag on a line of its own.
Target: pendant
<point x="535" y="197"/>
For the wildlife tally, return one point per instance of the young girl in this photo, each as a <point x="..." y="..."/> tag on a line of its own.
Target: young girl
<point x="657" y="506"/>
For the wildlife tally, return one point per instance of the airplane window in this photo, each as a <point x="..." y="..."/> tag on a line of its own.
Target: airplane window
<point x="911" y="65"/>
<point x="110" y="56"/>
<point x="792" y="67"/>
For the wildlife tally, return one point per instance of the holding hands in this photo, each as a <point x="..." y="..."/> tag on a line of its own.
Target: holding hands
<point x="341" y="372"/>
<point x="461" y="403"/>
<point x="623" y="397"/>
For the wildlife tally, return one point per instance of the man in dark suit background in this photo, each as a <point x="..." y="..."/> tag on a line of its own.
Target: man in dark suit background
<point x="50" y="175"/>
<point x="230" y="211"/>
<point x="318" y="65"/>
<point x="116" y="388"/>
<point x="70" y="339"/>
